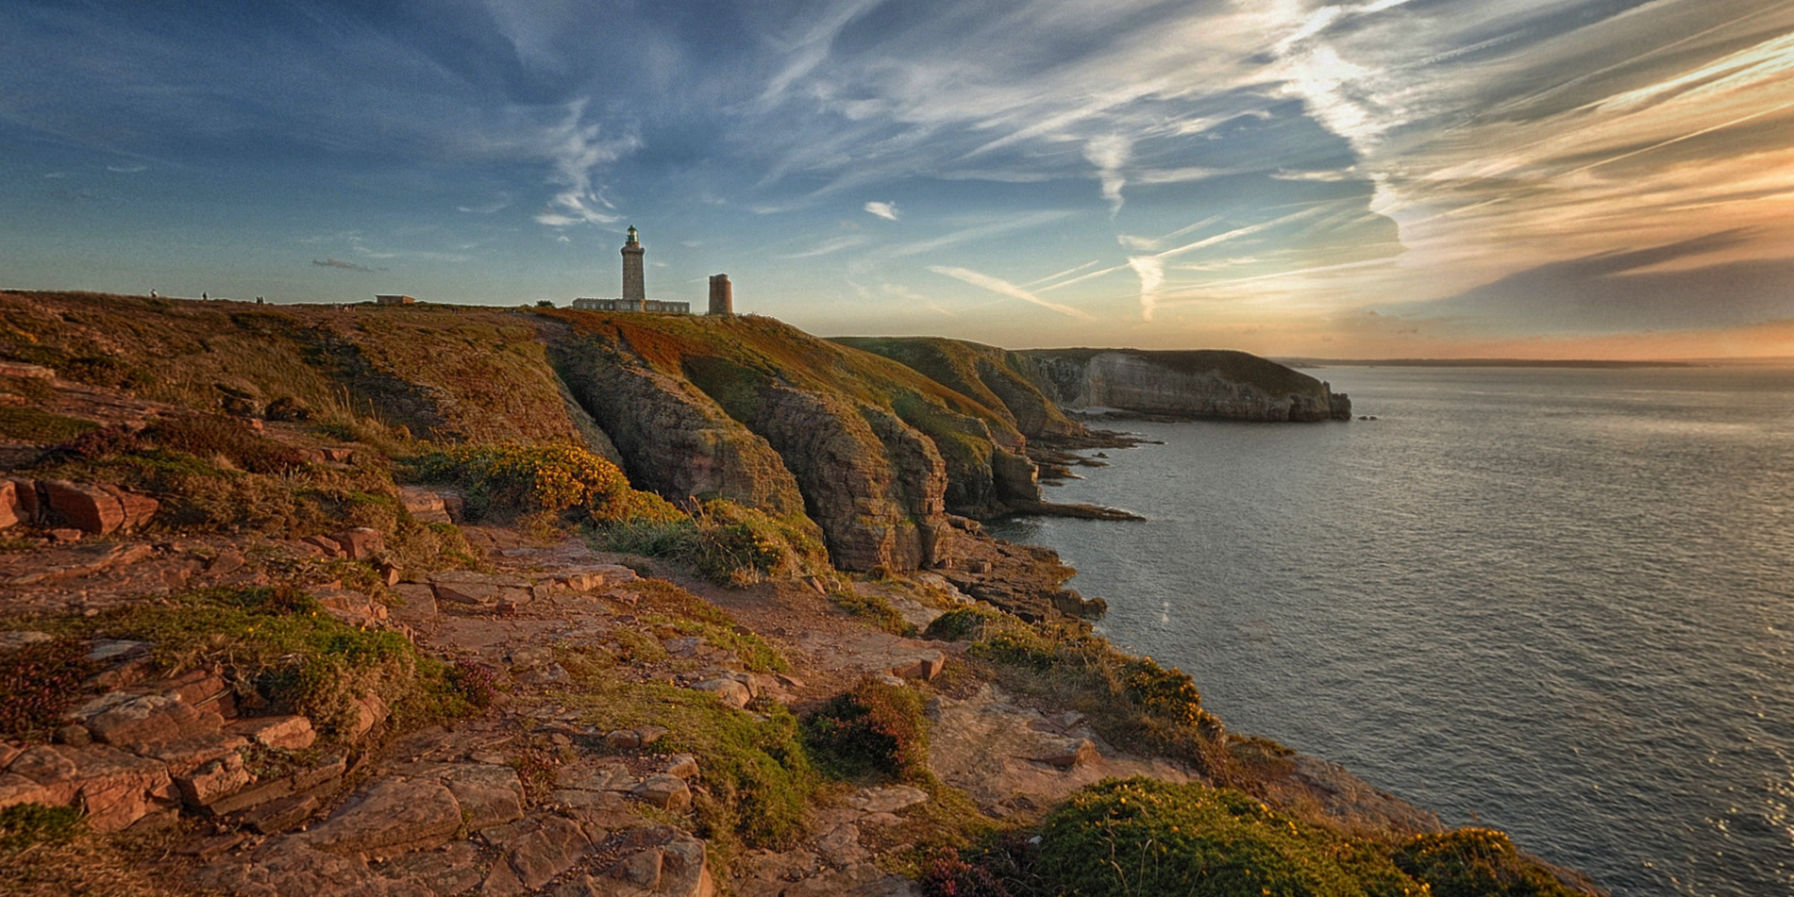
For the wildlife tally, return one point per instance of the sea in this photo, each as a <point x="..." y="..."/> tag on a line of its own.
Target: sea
<point x="1553" y="601"/>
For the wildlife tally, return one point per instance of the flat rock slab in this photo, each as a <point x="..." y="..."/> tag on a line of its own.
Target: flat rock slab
<point x="888" y="799"/>
<point x="389" y="817"/>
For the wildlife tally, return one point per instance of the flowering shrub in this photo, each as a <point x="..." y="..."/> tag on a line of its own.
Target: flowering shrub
<point x="1168" y="695"/>
<point x="1476" y="862"/>
<point x="1143" y="836"/>
<point x="475" y="681"/>
<point x="507" y="480"/>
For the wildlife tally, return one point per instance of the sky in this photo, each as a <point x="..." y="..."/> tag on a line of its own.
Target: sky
<point x="1379" y="178"/>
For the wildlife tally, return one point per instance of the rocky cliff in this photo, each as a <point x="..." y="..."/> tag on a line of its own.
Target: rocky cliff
<point x="1188" y="384"/>
<point x="346" y="600"/>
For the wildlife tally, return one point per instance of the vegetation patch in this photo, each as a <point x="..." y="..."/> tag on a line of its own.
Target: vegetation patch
<point x="875" y="609"/>
<point x="1142" y="836"/>
<point x="726" y="542"/>
<point x="1130" y="700"/>
<point x="28" y="825"/>
<point x="283" y="648"/>
<point x="216" y="436"/>
<point x="39" y="682"/>
<point x="23" y="423"/>
<point x="757" y="779"/>
<point x="876" y="730"/>
<point x="506" y="481"/>
<point x="1476" y="862"/>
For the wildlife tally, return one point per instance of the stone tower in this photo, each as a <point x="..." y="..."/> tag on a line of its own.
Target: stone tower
<point x="634" y="288"/>
<point x="722" y="295"/>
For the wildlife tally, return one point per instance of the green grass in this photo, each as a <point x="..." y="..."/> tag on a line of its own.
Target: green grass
<point x="28" y="825"/>
<point x="23" y="423"/>
<point x="757" y="779"/>
<point x="293" y="653"/>
<point x="726" y="542"/>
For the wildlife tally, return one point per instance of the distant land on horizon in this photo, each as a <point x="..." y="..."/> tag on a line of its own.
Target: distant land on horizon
<point x="1517" y="362"/>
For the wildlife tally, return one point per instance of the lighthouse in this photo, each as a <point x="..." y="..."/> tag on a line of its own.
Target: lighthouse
<point x="634" y="288"/>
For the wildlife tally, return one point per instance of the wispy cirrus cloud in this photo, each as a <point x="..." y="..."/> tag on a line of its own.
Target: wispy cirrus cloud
<point x="885" y="210"/>
<point x="345" y="265"/>
<point x="577" y="150"/>
<point x="1004" y="288"/>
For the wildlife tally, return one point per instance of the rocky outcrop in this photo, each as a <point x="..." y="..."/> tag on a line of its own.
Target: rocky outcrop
<point x="1199" y="384"/>
<point x="674" y="439"/>
<point x="870" y="481"/>
<point x="99" y="510"/>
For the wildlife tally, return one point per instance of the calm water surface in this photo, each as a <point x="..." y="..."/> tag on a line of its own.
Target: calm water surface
<point x="1557" y="602"/>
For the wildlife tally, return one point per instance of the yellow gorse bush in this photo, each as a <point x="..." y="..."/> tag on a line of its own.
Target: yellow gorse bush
<point x="558" y="478"/>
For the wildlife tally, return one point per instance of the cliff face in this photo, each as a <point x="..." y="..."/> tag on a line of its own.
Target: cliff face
<point x="998" y="378"/>
<point x="1196" y="384"/>
<point x="871" y="451"/>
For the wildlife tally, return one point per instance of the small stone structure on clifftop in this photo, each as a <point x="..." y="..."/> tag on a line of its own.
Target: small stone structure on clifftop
<point x="722" y="295"/>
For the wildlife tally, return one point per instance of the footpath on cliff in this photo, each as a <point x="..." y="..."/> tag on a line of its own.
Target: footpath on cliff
<point x="264" y="644"/>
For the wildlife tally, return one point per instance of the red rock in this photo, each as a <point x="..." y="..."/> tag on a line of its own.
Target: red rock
<point x="27" y="371"/>
<point x="290" y="732"/>
<point x="138" y="509"/>
<point x="31" y="505"/>
<point x="325" y="545"/>
<point x="12" y="509"/>
<point x="489" y="795"/>
<point x="17" y="789"/>
<point x="278" y="815"/>
<point x="197" y="688"/>
<point x="360" y="543"/>
<point x="115" y="787"/>
<point x="541" y="849"/>
<point x="424" y="504"/>
<point x="218" y="779"/>
<point x="87" y="508"/>
<point x="150" y="719"/>
<point x="370" y="711"/>
<point x="663" y="791"/>
<point x="391" y="816"/>
<point x="187" y="754"/>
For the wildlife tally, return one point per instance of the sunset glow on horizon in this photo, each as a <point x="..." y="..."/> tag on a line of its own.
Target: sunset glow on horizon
<point x="1370" y="179"/>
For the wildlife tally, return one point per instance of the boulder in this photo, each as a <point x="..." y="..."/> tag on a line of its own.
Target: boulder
<point x="424" y="504"/>
<point x="146" y="720"/>
<point x="729" y="691"/>
<point x="361" y="543"/>
<point x="12" y="508"/>
<point x="220" y="778"/>
<point x="138" y="509"/>
<point x="113" y="787"/>
<point x="666" y="792"/>
<point x="86" y="508"/>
